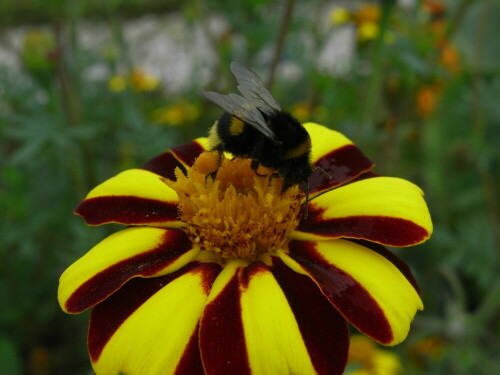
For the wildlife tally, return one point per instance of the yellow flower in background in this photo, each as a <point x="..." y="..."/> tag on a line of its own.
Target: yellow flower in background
<point x="117" y="83"/>
<point x="371" y="360"/>
<point x="138" y="80"/>
<point x="339" y="16"/>
<point x="368" y="30"/>
<point x="301" y="110"/>
<point x="176" y="114"/>
<point x="366" y="18"/>
<point x="142" y="81"/>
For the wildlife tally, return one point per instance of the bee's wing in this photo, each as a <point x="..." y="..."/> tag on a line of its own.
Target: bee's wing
<point x="241" y="108"/>
<point x="252" y="88"/>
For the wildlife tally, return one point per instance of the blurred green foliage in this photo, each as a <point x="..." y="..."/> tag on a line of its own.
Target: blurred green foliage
<point x="419" y="95"/>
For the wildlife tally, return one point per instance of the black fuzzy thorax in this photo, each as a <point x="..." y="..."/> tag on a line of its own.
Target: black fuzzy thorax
<point x="251" y="143"/>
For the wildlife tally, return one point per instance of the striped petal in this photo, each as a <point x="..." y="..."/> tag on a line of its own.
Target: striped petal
<point x="365" y="287"/>
<point x="178" y="157"/>
<point x="336" y="155"/>
<point x="132" y="252"/>
<point x="324" y="330"/>
<point x="391" y="257"/>
<point x="164" y="165"/>
<point x="188" y="152"/>
<point x="249" y="326"/>
<point x="150" y="326"/>
<point x="387" y="210"/>
<point x="133" y="197"/>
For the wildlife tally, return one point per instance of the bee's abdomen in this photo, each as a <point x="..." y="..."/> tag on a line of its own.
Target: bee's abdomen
<point x="236" y="136"/>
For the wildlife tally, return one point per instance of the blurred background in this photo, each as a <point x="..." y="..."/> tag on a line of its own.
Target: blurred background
<point x="89" y="88"/>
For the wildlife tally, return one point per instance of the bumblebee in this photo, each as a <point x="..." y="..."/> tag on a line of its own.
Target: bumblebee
<point x="255" y="126"/>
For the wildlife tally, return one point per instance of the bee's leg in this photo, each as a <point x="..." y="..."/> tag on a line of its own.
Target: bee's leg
<point x="327" y="175"/>
<point x="306" y="209"/>
<point x="255" y="165"/>
<point x="274" y="175"/>
<point x="214" y="173"/>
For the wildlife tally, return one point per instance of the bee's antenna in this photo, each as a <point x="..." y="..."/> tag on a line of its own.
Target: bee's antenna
<point x="327" y="175"/>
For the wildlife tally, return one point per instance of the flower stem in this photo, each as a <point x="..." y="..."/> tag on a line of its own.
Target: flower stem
<point x="285" y="22"/>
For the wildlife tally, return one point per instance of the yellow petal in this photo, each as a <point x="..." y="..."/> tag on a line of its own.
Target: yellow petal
<point x="158" y="335"/>
<point x="386" y="210"/>
<point x="132" y="252"/>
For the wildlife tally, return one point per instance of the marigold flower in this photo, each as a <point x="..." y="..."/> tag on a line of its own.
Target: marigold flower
<point x="142" y="81"/>
<point x="370" y="359"/>
<point x="176" y="114"/>
<point x="228" y="276"/>
<point x="427" y="98"/>
<point x="302" y="110"/>
<point x="367" y="13"/>
<point x="339" y="16"/>
<point x="368" y="30"/>
<point x="137" y="79"/>
<point x="450" y="58"/>
<point x="117" y="83"/>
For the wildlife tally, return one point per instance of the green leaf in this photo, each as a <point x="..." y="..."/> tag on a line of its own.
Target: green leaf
<point x="9" y="357"/>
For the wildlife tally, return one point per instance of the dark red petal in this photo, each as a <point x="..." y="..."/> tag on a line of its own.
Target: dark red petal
<point x="222" y="343"/>
<point x="323" y="329"/>
<point x="342" y="164"/>
<point x="390" y="231"/>
<point x="126" y="210"/>
<point x="190" y="363"/>
<point x="187" y="153"/>
<point x="346" y="294"/>
<point x="164" y="165"/>
<point x="105" y="283"/>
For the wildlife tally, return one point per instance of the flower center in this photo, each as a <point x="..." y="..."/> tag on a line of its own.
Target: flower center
<point x="239" y="213"/>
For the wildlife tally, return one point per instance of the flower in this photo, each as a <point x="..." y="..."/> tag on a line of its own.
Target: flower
<point x="117" y="83"/>
<point x="427" y="98"/>
<point x="371" y="360"/>
<point x="340" y="15"/>
<point x="138" y="80"/>
<point x="366" y="18"/>
<point x="176" y="114"/>
<point x="39" y="52"/>
<point x="142" y="81"/>
<point x="228" y="275"/>
<point x="428" y="351"/>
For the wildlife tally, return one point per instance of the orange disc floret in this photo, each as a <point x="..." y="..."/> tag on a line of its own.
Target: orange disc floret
<point x="239" y="213"/>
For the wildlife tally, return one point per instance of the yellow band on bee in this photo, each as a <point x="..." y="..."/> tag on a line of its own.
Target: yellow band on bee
<point x="303" y="148"/>
<point x="236" y="126"/>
